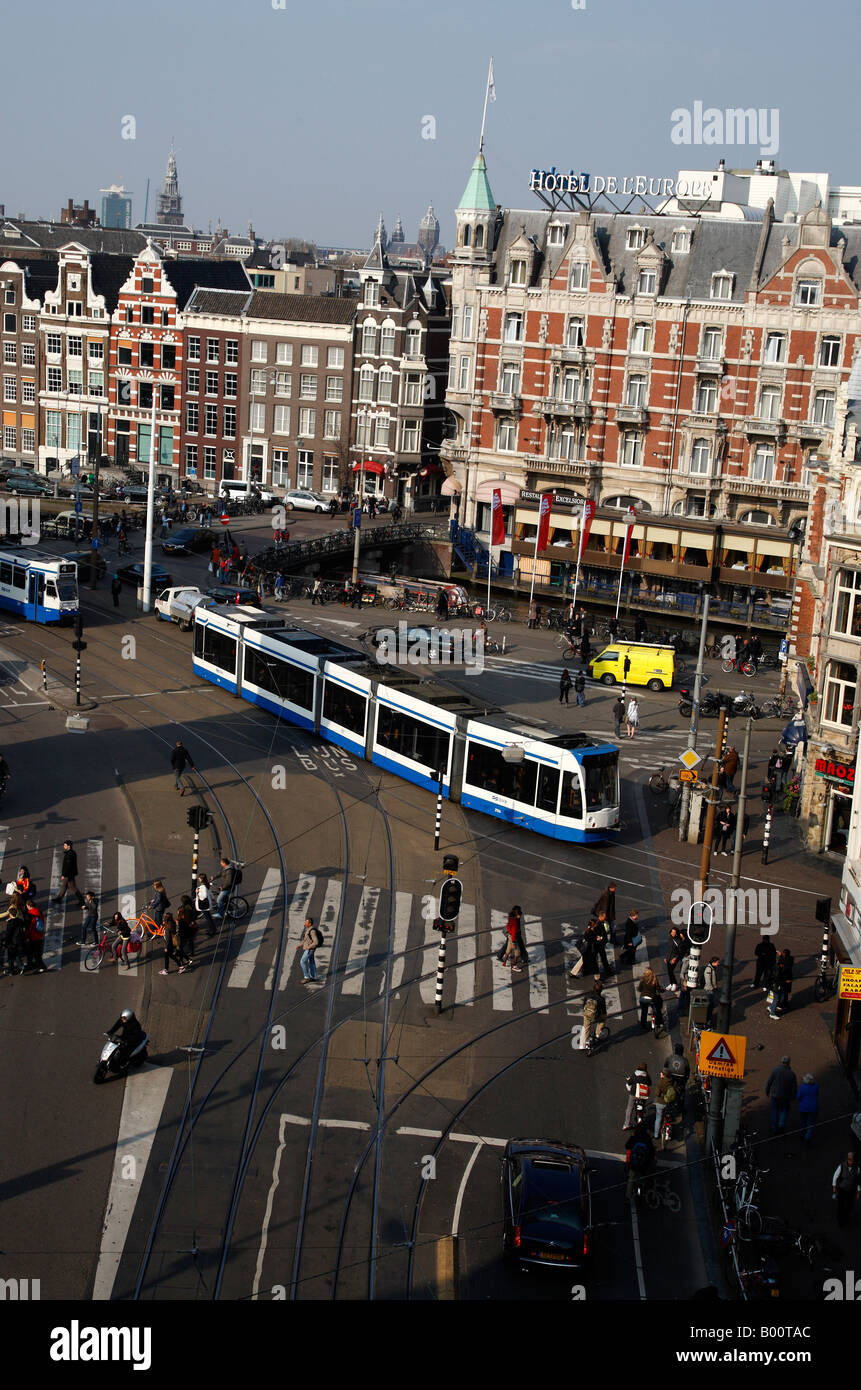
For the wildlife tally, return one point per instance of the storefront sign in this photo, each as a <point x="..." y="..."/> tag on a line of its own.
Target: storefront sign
<point x="560" y="499"/>
<point x="850" y="982"/>
<point x="636" y="185"/>
<point x="835" y="771"/>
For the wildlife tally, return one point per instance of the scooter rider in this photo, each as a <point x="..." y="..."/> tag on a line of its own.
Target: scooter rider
<point x="128" y="1033"/>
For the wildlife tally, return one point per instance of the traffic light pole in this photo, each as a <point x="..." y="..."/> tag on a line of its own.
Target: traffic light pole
<point x="718" y="1088"/>
<point x="685" y="811"/>
<point x="438" y="823"/>
<point x="449" y="910"/>
<point x="711" y="806"/>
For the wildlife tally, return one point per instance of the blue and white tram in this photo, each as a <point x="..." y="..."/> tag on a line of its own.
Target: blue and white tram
<point x="560" y="785"/>
<point x="38" y="585"/>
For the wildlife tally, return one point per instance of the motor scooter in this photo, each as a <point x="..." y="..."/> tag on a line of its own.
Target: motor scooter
<point x="115" y="1061"/>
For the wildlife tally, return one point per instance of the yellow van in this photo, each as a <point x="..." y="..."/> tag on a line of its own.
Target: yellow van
<point x="651" y="666"/>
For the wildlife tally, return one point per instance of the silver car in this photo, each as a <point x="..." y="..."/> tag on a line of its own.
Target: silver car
<point x="302" y="499"/>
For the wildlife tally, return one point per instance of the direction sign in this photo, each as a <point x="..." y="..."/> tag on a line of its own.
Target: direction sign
<point x="690" y="759"/>
<point x="850" y="982"/>
<point x="686" y="776"/>
<point x="722" y="1054"/>
<point x="79" y="506"/>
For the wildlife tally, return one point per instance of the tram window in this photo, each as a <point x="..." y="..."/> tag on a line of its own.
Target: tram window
<point x="291" y="683"/>
<point x="215" y="648"/>
<point x="548" y="788"/>
<point x="600" y="770"/>
<point x="68" y="588"/>
<point x="412" y="738"/>
<point x="572" y="798"/>
<point x="50" y="588"/>
<point x="5" y="572"/>
<point x="19" y="578"/>
<point x="486" y="768"/>
<point x="345" y="707"/>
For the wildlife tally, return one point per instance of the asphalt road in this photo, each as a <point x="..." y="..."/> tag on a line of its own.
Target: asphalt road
<point x="303" y="1142"/>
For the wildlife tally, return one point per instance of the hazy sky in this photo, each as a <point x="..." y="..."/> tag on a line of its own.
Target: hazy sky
<point x="309" y="119"/>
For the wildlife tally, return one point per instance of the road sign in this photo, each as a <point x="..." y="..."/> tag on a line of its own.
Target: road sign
<point x="357" y="518"/>
<point x="225" y="518"/>
<point x="690" y="759"/>
<point x="95" y="542"/>
<point x="686" y="776"/>
<point x="850" y="982"/>
<point x="722" y="1054"/>
<point x="79" y="506"/>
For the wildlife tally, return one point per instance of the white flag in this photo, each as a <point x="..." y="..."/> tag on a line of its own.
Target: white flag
<point x="491" y="85"/>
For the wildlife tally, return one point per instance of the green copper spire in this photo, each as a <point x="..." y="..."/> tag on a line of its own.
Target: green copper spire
<point x="477" y="196"/>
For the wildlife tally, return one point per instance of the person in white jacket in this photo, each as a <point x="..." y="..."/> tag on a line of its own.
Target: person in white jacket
<point x="632" y="716"/>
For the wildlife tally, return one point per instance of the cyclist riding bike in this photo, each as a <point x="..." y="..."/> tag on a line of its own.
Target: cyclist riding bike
<point x="230" y="877"/>
<point x="639" y="1158"/>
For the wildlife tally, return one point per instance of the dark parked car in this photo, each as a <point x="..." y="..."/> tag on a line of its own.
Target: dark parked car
<point x="188" y="539"/>
<point x="31" y="487"/>
<point x="133" y="492"/>
<point x="133" y="574"/>
<point x="546" y="1204"/>
<point x="84" y="559"/>
<point x="234" y="593"/>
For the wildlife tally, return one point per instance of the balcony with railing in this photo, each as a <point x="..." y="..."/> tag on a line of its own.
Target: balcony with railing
<point x="758" y="428"/>
<point x="506" y="403"/>
<point x="704" y="424"/>
<point x="710" y="366"/>
<point x="565" y="410"/>
<point x="453" y="452"/>
<point x="761" y="487"/>
<point x="632" y="415"/>
<point x="570" y="468"/>
<point x="569" y="356"/>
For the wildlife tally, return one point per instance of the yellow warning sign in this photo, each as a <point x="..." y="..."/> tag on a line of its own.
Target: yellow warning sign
<point x="722" y="1054"/>
<point x="850" y="982"/>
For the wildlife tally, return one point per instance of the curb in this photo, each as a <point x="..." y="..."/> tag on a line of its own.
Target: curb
<point x="55" y="693"/>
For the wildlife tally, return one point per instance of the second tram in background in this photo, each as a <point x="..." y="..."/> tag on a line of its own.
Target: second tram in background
<point x="563" y="785"/>
<point x="38" y="585"/>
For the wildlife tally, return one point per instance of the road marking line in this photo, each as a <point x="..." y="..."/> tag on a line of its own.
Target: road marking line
<point x="126" y="899"/>
<point x="467" y="947"/>
<point x="93" y="884"/>
<point x="270" y="1198"/>
<point x="427" y="983"/>
<point x="143" y="1102"/>
<point x="296" y="914"/>
<point x="55" y="917"/>
<point x="354" y="970"/>
<point x="539" y="992"/>
<point x="252" y="937"/>
<point x="455" y="1220"/>
<point x="403" y="910"/>
<point x="503" y="998"/>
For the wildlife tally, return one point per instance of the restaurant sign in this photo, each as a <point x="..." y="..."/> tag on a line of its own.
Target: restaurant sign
<point x="835" y="771"/>
<point x="560" y="499"/>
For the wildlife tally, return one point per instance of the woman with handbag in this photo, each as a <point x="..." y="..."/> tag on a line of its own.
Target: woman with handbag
<point x="204" y="902"/>
<point x="586" y="945"/>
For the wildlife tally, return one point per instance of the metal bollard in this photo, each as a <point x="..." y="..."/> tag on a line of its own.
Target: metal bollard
<point x="44" y="665"/>
<point x="766" y="833"/>
<point x="440" y="971"/>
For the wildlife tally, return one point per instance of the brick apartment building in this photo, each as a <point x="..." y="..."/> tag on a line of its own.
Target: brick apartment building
<point x="213" y="349"/>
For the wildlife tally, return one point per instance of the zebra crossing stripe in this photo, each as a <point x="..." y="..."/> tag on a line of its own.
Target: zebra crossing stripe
<point x="252" y="937"/>
<point x="297" y="911"/>
<point x="361" y="942"/>
<point x="427" y="983"/>
<point x="403" y="911"/>
<point x="55" y="917"/>
<point x="93" y="884"/>
<point x="539" y="994"/>
<point x="467" y="950"/>
<point x="126" y="899"/>
<point x="503" y="998"/>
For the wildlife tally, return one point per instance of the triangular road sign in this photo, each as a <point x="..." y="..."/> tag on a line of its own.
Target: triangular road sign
<point x="721" y="1053"/>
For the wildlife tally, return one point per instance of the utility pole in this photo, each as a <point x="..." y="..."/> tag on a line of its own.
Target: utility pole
<point x="357" y="521"/>
<point x="685" y="812"/>
<point x="718" y="1088"/>
<point x="711" y="808"/>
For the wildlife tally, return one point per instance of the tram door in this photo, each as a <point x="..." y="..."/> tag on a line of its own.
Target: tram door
<point x="36" y="598"/>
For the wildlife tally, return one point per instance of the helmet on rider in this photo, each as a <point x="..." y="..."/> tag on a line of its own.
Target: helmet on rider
<point x="127" y="1014"/>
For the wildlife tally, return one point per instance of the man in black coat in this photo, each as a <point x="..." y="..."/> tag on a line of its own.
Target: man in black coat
<point x="180" y="759"/>
<point x="69" y="874"/>
<point x="766" y="960"/>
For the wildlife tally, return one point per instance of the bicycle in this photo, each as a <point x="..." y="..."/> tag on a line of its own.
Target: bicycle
<point x="824" y="985"/>
<point x="237" y="907"/>
<point x="730" y="664"/>
<point x="748" y="1215"/>
<point x="96" y="954"/>
<point x="568" y="649"/>
<point x="660" y="783"/>
<point x="148" y="926"/>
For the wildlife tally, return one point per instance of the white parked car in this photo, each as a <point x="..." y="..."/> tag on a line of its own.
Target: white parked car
<point x="302" y="499"/>
<point x="178" y="605"/>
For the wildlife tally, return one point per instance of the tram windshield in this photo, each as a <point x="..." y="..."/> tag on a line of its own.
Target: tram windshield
<point x="601" y="773"/>
<point x="67" y="588"/>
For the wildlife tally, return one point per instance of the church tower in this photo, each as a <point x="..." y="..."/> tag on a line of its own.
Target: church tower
<point x="428" y="237"/>
<point x="169" y="202"/>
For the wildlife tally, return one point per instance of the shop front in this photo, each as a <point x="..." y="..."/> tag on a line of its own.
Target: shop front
<point x="838" y="778"/>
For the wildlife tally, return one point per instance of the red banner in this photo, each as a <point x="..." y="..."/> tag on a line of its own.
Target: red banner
<point x="497" y="529"/>
<point x="544" y="520"/>
<point x="588" y="513"/>
<point x="632" y="517"/>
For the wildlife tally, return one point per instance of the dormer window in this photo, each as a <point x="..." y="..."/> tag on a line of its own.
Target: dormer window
<point x="808" y="294"/>
<point x="517" y="273"/>
<point x="681" y="242"/>
<point x="636" y="238"/>
<point x="556" y="234"/>
<point x="647" y="282"/>
<point x="579" y="275"/>
<point x="722" y="285"/>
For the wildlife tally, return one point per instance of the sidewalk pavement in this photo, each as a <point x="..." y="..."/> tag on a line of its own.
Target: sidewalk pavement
<point x="798" y="1181"/>
<point x="47" y="687"/>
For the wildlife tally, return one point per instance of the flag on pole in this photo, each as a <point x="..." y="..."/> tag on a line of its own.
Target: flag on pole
<point x="588" y="513"/>
<point x="491" y="85"/>
<point x="631" y="518"/>
<point x="544" y="520"/>
<point x="497" y="530"/>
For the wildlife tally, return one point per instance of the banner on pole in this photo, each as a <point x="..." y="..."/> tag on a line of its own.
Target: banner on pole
<point x="631" y="517"/>
<point x="544" y="520"/>
<point x="497" y="530"/>
<point x="588" y="514"/>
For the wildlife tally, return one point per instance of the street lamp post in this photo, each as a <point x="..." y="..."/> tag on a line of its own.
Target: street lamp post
<point x="357" y="517"/>
<point x="684" y="812"/>
<point x="150" y="513"/>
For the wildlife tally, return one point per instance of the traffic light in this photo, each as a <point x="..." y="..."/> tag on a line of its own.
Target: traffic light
<point x="79" y="625"/>
<point x="699" y="923"/>
<point x="449" y="899"/>
<point x="197" y="817"/>
<point x="823" y="909"/>
<point x="441" y="926"/>
<point x="450" y="864"/>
